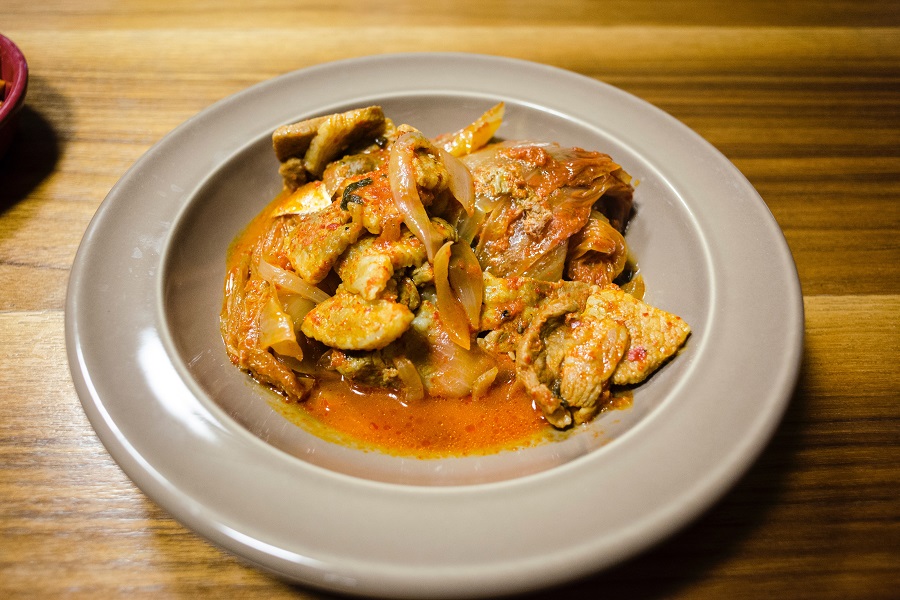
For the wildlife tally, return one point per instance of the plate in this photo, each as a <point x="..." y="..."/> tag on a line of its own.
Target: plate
<point x="204" y="442"/>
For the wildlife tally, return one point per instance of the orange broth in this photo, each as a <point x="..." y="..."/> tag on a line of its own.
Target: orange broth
<point x="503" y="418"/>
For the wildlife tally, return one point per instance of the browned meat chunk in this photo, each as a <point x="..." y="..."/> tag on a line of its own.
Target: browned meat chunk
<point x="369" y="264"/>
<point x="338" y="132"/>
<point x="350" y="322"/>
<point x="364" y="367"/>
<point x="565" y="361"/>
<point x="306" y="148"/>
<point x="319" y="239"/>
<point x="655" y="335"/>
<point x="292" y="141"/>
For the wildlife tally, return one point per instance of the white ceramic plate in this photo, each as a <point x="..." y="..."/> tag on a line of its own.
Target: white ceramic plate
<point x="203" y="441"/>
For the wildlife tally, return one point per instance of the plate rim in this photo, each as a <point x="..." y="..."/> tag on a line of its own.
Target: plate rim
<point x="334" y="573"/>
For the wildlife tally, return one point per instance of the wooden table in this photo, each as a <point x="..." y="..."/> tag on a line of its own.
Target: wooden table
<point x="804" y="97"/>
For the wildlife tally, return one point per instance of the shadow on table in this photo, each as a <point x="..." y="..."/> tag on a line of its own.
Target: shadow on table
<point x="690" y="556"/>
<point x="693" y="554"/>
<point x="35" y="147"/>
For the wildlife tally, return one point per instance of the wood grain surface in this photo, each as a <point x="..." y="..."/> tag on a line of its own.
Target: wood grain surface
<point x="803" y="97"/>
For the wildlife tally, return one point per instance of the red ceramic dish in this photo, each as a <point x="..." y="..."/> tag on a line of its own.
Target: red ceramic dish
<point x="14" y="71"/>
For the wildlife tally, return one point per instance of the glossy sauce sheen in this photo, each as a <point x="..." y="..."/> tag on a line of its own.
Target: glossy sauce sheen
<point x="504" y="418"/>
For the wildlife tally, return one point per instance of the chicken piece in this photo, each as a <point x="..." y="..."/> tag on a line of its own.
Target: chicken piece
<point x="338" y="132"/>
<point x="319" y="239"/>
<point x="511" y="303"/>
<point x="350" y="322"/>
<point x="364" y="367"/>
<point x="369" y="264"/>
<point x="565" y="360"/>
<point x="654" y="334"/>
<point x="292" y="141"/>
<point x="245" y="301"/>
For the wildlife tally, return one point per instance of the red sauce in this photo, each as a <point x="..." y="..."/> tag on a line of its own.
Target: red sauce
<point x="503" y="418"/>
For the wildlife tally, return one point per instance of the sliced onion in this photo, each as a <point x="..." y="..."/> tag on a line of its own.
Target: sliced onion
<point x="297" y="307"/>
<point x="635" y="287"/>
<point x="468" y="226"/>
<point x="467" y="281"/>
<point x="276" y="330"/>
<point x="474" y="136"/>
<point x="290" y="282"/>
<point x="447" y="370"/>
<point x="484" y="382"/>
<point x="462" y="186"/>
<point x="414" y="389"/>
<point x="402" y="174"/>
<point x="549" y="266"/>
<point x="453" y="315"/>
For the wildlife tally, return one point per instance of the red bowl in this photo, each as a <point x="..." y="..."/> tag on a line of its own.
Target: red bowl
<point x="14" y="71"/>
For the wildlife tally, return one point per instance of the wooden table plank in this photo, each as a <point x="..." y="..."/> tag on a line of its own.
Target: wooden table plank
<point x="804" y="97"/>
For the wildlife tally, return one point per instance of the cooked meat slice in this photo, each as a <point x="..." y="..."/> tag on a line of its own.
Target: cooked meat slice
<point x="369" y="264"/>
<point x="565" y="360"/>
<point x="306" y="148"/>
<point x="350" y="322"/>
<point x="339" y="171"/>
<point x="655" y="335"/>
<point x="594" y="348"/>
<point x="368" y="197"/>
<point x="511" y="303"/>
<point x="423" y="274"/>
<point x="408" y="293"/>
<point x="292" y="141"/>
<point x="338" y="132"/>
<point x="293" y="173"/>
<point x="365" y="367"/>
<point x="319" y="239"/>
<point x="537" y="369"/>
<point x="432" y="176"/>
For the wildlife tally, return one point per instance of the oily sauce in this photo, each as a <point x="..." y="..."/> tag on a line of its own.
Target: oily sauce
<point x="504" y="418"/>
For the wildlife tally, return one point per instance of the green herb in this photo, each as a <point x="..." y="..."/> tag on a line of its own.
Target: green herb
<point x="348" y="195"/>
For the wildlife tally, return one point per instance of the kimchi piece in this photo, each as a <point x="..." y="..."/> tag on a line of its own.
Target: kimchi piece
<point x="442" y="268"/>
